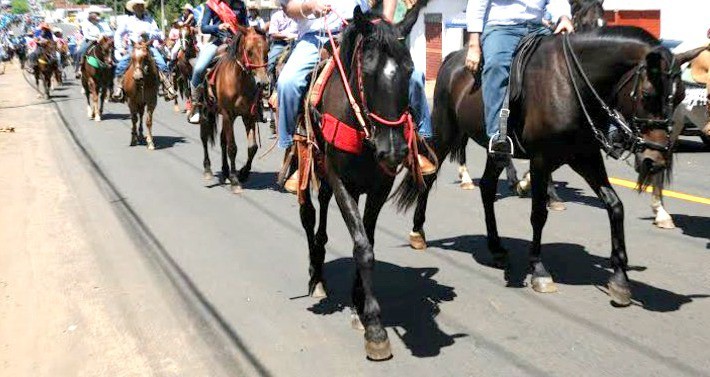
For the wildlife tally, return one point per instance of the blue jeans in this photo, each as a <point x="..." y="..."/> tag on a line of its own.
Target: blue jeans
<point x="499" y="43"/>
<point x="274" y="53"/>
<point x="293" y="82"/>
<point x="207" y="53"/>
<point x="123" y="64"/>
<point x="80" y="53"/>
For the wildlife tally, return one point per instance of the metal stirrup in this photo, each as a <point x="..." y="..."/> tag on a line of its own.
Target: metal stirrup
<point x="503" y="126"/>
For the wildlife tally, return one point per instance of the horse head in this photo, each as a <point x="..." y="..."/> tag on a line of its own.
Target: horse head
<point x="141" y="60"/>
<point x="656" y="91"/>
<point x="382" y="68"/>
<point x="588" y="14"/>
<point x="250" y="49"/>
<point x="104" y="47"/>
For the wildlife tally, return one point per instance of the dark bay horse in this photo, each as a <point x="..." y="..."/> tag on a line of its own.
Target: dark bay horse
<point x="47" y="65"/>
<point x="140" y="83"/>
<point x="377" y="68"/>
<point x="97" y="76"/>
<point x="239" y="77"/>
<point x="183" y="68"/>
<point x="628" y="69"/>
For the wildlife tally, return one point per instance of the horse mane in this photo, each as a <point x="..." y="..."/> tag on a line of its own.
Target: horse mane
<point x="624" y="34"/>
<point x="233" y="48"/>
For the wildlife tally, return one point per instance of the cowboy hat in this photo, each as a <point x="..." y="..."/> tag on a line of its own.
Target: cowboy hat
<point x="132" y="3"/>
<point x="44" y="25"/>
<point x="187" y="6"/>
<point x="56" y="30"/>
<point x="94" y="9"/>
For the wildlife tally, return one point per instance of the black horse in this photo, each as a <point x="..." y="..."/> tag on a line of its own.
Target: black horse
<point x="626" y="68"/>
<point x="377" y="66"/>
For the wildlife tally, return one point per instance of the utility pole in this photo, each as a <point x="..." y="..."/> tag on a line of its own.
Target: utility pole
<point x="162" y="16"/>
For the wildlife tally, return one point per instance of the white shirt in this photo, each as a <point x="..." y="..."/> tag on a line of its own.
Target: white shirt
<point x="344" y="8"/>
<point x="135" y="27"/>
<point x="93" y="31"/>
<point x="512" y="12"/>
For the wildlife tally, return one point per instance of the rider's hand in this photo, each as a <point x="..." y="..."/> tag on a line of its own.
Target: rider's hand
<point x="223" y="27"/>
<point x="318" y="8"/>
<point x="565" y="25"/>
<point x="473" y="56"/>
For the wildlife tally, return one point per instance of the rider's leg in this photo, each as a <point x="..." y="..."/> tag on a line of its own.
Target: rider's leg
<point x="119" y="71"/>
<point x="164" y="77"/>
<point x="291" y="85"/>
<point x="80" y="55"/>
<point x="274" y="53"/>
<point x="499" y="43"/>
<point x="207" y="53"/>
<point x="421" y="115"/>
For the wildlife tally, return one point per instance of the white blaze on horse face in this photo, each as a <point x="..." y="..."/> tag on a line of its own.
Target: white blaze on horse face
<point x="390" y="68"/>
<point x="601" y="22"/>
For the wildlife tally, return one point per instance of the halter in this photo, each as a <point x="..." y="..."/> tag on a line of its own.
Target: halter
<point x="638" y="124"/>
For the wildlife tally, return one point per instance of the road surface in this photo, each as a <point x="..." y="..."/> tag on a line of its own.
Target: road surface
<point x="240" y="264"/>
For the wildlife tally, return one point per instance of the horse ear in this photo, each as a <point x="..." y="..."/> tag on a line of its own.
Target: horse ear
<point x="361" y="22"/>
<point x="687" y="56"/>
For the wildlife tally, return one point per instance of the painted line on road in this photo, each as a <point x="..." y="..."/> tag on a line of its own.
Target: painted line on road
<point x="666" y="193"/>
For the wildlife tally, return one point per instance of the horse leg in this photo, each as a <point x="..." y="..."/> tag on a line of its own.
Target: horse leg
<point x="149" y="126"/>
<point x="464" y="176"/>
<point x="228" y="129"/>
<point x="489" y="189"/>
<point x="206" y="127"/>
<point x="554" y="202"/>
<point x="134" y="123"/>
<point x="94" y="112"/>
<point x="541" y="280"/>
<point x="225" y="163"/>
<point x="250" y="126"/>
<point x="663" y="219"/>
<point x="592" y="169"/>
<point x="87" y="94"/>
<point x="512" y="175"/>
<point x="417" y="237"/>
<point x="377" y="344"/>
<point x="316" y="242"/>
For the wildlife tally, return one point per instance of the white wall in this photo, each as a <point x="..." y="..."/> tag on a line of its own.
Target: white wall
<point x="680" y="19"/>
<point x="451" y="38"/>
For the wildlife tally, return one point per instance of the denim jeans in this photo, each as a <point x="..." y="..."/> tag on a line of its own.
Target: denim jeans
<point x="293" y="82"/>
<point x="80" y="53"/>
<point x="123" y="64"/>
<point x="499" y="43"/>
<point x="207" y="53"/>
<point x="274" y="53"/>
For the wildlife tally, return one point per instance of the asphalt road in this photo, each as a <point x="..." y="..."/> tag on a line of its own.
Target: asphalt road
<point x="242" y="261"/>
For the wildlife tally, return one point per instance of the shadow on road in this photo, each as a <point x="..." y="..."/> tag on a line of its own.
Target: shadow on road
<point x="165" y="142"/>
<point x="409" y="299"/>
<point x="569" y="264"/>
<point x="257" y="181"/>
<point x="691" y="146"/>
<point x="693" y="226"/>
<point x="113" y="116"/>
<point x="576" y="195"/>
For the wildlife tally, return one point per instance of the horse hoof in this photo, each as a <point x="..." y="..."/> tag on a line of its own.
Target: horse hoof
<point x="176" y="108"/>
<point x="97" y="118"/>
<point x="620" y="296"/>
<point x="417" y="240"/>
<point x="356" y="323"/>
<point x="207" y="175"/>
<point x="665" y="224"/>
<point x="544" y="284"/>
<point x="319" y="291"/>
<point x="522" y="188"/>
<point x="151" y="146"/>
<point x="237" y="189"/>
<point x="378" y="351"/>
<point x="467" y="185"/>
<point x="554" y="205"/>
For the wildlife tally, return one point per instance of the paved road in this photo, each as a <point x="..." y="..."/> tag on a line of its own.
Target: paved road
<point x="242" y="261"/>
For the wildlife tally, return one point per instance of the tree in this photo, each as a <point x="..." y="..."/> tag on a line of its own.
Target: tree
<point x="20" y="6"/>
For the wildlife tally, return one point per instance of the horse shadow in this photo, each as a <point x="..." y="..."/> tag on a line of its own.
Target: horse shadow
<point x="569" y="264"/>
<point x="114" y="116"/>
<point x="691" y="146"/>
<point x="576" y="195"/>
<point x="693" y="226"/>
<point x="257" y="181"/>
<point x="165" y="142"/>
<point x="409" y="298"/>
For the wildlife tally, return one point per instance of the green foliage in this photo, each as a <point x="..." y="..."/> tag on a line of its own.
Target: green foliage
<point x="20" y="6"/>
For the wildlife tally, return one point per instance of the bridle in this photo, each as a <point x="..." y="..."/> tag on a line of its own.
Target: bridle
<point x="246" y="64"/>
<point x="635" y="143"/>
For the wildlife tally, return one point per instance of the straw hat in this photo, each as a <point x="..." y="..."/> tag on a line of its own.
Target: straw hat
<point x="187" y="6"/>
<point x="132" y="3"/>
<point x="56" y="30"/>
<point x="94" y="9"/>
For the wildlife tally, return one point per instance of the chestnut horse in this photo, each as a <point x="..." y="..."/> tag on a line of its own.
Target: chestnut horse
<point x="140" y="83"/>
<point x="183" y="68"/>
<point x="234" y="89"/>
<point x="97" y="76"/>
<point x="47" y="65"/>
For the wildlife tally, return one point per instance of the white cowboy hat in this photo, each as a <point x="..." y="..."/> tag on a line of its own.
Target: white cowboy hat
<point x="131" y="3"/>
<point x="94" y="9"/>
<point x="56" y="30"/>
<point x="187" y="6"/>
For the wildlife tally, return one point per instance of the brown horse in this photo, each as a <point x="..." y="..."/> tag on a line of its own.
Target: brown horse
<point x="141" y="87"/>
<point x="97" y="76"/>
<point x="235" y="90"/>
<point x="183" y="68"/>
<point x="47" y="65"/>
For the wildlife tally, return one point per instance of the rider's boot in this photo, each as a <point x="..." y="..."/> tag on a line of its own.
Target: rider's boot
<point x="117" y="94"/>
<point x="193" y="116"/>
<point x="169" y="91"/>
<point x="425" y="165"/>
<point x="291" y="184"/>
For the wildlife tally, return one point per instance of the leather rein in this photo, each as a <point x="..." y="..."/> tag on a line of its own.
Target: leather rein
<point x="636" y="143"/>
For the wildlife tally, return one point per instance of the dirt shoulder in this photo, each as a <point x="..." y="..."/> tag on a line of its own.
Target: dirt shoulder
<point x="77" y="297"/>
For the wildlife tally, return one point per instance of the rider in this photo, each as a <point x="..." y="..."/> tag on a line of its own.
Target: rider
<point x="217" y="22"/>
<point x="92" y="29"/>
<point x="41" y="35"/>
<point x="282" y="31"/>
<point x="187" y="17"/>
<point x="61" y="42"/>
<point x="499" y="25"/>
<point x="255" y="19"/>
<point x="135" y="26"/>
<point x="292" y="82"/>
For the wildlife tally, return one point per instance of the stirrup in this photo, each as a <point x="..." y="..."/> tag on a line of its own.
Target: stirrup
<point x="497" y="137"/>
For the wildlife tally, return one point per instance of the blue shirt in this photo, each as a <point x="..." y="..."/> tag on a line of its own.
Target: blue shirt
<point x="211" y="21"/>
<point x="512" y="12"/>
